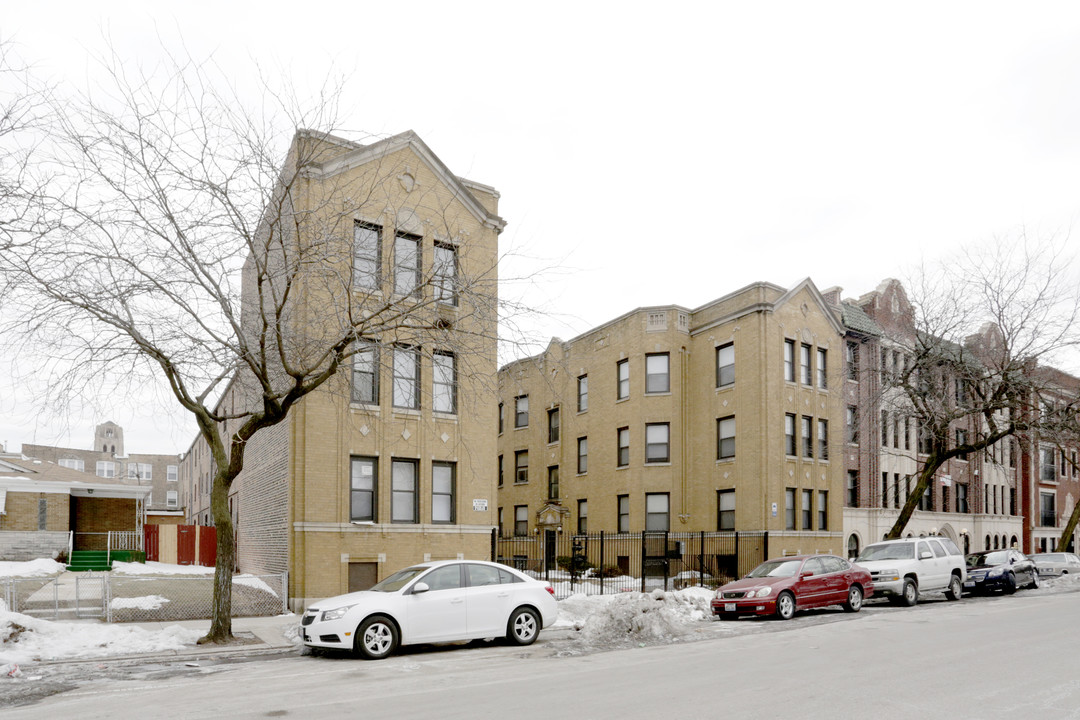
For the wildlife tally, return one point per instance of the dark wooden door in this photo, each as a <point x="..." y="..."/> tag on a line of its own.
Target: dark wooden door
<point x="151" y="541"/>
<point x="185" y="544"/>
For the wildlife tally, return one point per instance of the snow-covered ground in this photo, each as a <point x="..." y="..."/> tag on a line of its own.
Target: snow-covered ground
<point x="596" y="622"/>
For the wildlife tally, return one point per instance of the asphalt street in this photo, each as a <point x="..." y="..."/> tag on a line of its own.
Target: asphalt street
<point x="993" y="657"/>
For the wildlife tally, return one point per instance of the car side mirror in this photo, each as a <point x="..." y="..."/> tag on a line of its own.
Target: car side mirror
<point x="803" y="576"/>
<point x="420" y="587"/>
<point x="925" y="555"/>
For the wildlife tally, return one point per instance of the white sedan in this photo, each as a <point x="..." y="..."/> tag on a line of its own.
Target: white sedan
<point x="1058" y="563"/>
<point x="433" y="602"/>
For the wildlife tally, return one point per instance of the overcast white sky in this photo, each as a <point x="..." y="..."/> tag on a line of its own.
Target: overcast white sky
<point x="658" y="153"/>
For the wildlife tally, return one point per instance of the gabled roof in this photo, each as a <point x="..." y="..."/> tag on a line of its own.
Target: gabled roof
<point x="356" y="155"/>
<point x="808" y="284"/>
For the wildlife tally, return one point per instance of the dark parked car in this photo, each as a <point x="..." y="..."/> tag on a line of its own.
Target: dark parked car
<point x="1055" y="564"/>
<point x="782" y="586"/>
<point x="1003" y="570"/>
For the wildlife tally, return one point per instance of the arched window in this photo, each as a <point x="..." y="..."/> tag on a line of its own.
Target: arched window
<point x="1014" y="541"/>
<point x="987" y="542"/>
<point x="967" y="544"/>
<point x="853" y="546"/>
<point x="995" y="542"/>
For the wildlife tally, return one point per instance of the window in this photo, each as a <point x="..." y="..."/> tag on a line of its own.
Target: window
<point x="807" y="509"/>
<point x="624" y="513"/>
<point x="907" y="433"/>
<point x="406" y="377"/>
<point x="500" y="418"/>
<point x="804" y="365"/>
<point x="926" y="502"/>
<point x="853" y="488"/>
<point x="583" y="393"/>
<point x="172" y="499"/>
<point x="140" y="471"/>
<point x="725" y="509"/>
<point x="582" y="455"/>
<point x="106" y="469"/>
<point x="789" y="509"/>
<point x="823" y="510"/>
<point x="582" y="516"/>
<point x="851" y="358"/>
<point x="656" y="511"/>
<point x="961" y="439"/>
<point x="406" y="264"/>
<point x="853" y="425"/>
<point x="822" y="368"/>
<point x="789" y="434"/>
<point x="553" y="425"/>
<point x="789" y="360"/>
<point x="924" y="439"/>
<point x="656" y="443"/>
<point x="725" y="438"/>
<point x="444" y="382"/>
<point x="521" y="411"/>
<point x="623" y="438"/>
<point x="77" y="464"/>
<point x="1047" y="511"/>
<point x="553" y="482"/>
<point x="366" y="251"/>
<point x="896" y="431"/>
<point x="521" y="519"/>
<point x="807" y="437"/>
<point x="823" y="439"/>
<point x="725" y="365"/>
<point x="362" y="485"/>
<point x="365" y="376"/>
<point x="521" y="466"/>
<point x="444" y="274"/>
<point x="443" y="481"/>
<point x="500" y="471"/>
<point x="171" y="473"/>
<point x="884" y="489"/>
<point x="1047" y="471"/>
<point x="945" y="499"/>
<point x="884" y="428"/>
<point x="403" y="491"/>
<point x="657" y="377"/>
<point x="622" y="372"/>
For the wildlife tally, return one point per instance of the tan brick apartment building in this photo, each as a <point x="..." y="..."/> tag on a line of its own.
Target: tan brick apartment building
<point x="395" y="464"/>
<point x="666" y="418"/>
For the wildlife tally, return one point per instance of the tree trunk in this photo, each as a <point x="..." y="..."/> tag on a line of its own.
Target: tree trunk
<point x="927" y="474"/>
<point x="221" y="617"/>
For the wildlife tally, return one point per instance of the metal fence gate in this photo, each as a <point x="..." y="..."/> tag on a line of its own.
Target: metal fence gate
<point x="598" y="563"/>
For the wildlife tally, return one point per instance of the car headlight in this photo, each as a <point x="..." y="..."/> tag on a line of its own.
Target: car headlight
<point x="996" y="572"/>
<point x="888" y="575"/>
<point x="763" y="592"/>
<point x="336" y="613"/>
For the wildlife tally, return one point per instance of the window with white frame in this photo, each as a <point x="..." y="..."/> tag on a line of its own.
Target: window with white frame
<point x="406" y="264"/>
<point x="365" y="377"/>
<point x="656" y="511"/>
<point x="140" y="471"/>
<point x="582" y="455"/>
<point x="807" y="437"/>
<point x="822" y="368"/>
<point x="106" y="469"/>
<point x="582" y="516"/>
<point x="172" y="473"/>
<point x="725" y="365"/>
<point x="366" y="251"/>
<point x="172" y="499"/>
<point x="657" y="373"/>
<point x="624" y="513"/>
<point x="521" y="466"/>
<point x="789" y="434"/>
<point x="725" y="509"/>
<point x="657" y="445"/>
<point x="725" y="438"/>
<point x="443" y="479"/>
<point x="444" y="274"/>
<point x="521" y="520"/>
<point x="521" y="411"/>
<point x="1047" y="468"/>
<point x="823" y="510"/>
<point x="444" y="382"/>
<point x="73" y="464"/>
<point x="363" y="475"/>
<point x="403" y="491"/>
<point x="623" y="438"/>
<point x="804" y="365"/>
<point x="622" y="372"/>
<point x="553" y="425"/>
<point x="789" y="509"/>
<point x="823" y="439"/>
<point x="583" y="393"/>
<point x="406" y="377"/>
<point x="807" y="509"/>
<point x="789" y="360"/>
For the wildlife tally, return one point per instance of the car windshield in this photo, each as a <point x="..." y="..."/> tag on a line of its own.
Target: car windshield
<point x="998" y="557"/>
<point x="398" y="580"/>
<point x="776" y="568"/>
<point x="888" y="551"/>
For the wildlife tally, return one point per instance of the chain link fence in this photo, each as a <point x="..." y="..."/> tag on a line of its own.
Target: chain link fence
<point x="141" y="598"/>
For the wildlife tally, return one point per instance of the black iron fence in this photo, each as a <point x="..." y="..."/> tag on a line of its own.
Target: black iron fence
<point x="598" y="563"/>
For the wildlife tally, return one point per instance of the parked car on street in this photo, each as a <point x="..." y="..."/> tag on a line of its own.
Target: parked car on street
<point x="904" y="568"/>
<point x="1003" y="570"/>
<point x="433" y="602"/>
<point x="782" y="586"/>
<point x="1056" y="564"/>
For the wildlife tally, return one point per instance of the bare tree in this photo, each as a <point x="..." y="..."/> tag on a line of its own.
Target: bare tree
<point x="968" y="348"/>
<point x="172" y="242"/>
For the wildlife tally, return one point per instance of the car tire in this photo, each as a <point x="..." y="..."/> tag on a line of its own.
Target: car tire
<point x="955" y="588"/>
<point x="1034" y="584"/>
<point x="1010" y="584"/>
<point x="910" y="594"/>
<point x="523" y="626"/>
<point x="376" y="638"/>
<point x="785" y="606"/>
<point x="854" y="599"/>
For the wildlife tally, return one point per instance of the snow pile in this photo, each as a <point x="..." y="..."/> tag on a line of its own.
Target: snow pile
<point x="146" y="602"/>
<point x="156" y="568"/>
<point x="625" y="619"/>
<point x="24" y="639"/>
<point x="42" y="567"/>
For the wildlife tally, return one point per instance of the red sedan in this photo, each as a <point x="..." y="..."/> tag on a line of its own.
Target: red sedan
<point x="782" y="586"/>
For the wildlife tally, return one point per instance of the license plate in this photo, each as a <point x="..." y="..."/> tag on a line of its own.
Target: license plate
<point x="969" y="583"/>
<point x="729" y="607"/>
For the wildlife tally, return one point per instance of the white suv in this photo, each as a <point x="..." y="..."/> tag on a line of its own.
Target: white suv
<point x="902" y="569"/>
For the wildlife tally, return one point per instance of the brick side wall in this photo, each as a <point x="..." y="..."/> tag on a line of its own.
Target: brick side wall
<point x="263" y="502"/>
<point x="18" y="546"/>
<point x="22" y="512"/>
